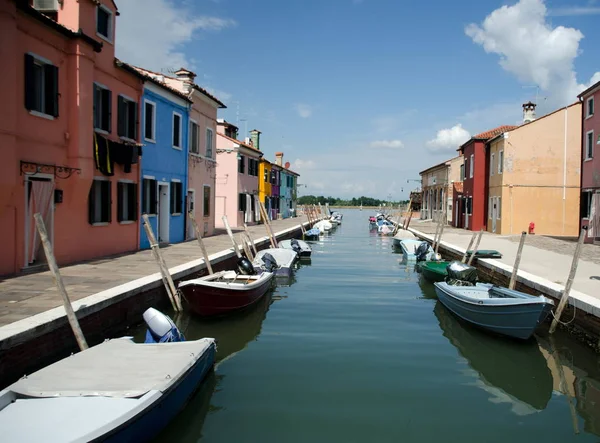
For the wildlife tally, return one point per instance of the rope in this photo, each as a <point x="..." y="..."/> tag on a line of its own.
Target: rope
<point x="565" y="323"/>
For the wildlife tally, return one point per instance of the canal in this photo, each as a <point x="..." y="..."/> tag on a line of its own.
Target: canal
<point x="358" y="349"/>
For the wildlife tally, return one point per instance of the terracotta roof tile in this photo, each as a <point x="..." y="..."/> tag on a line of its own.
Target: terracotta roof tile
<point x="494" y="132"/>
<point x="239" y="142"/>
<point x="458" y="187"/>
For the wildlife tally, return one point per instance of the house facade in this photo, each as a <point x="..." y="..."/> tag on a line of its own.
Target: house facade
<point x="287" y="188"/>
<point x="264" y="184"/>
<point x="533" y="174"/>
<point x="275" y="190"/>
<point x="68" y="134"/>
<point x="437" y="185"/>
<point x="237" y="178"/>
<point x="590" y="163"/>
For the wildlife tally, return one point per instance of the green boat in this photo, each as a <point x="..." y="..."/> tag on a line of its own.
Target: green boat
<point x="485" y="253"/>
<point x="434" y="270"/>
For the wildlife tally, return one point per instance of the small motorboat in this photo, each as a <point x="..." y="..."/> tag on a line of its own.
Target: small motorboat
<point x="279" y="261"/>
<point x="116" y="391"/>
<point x="410" y="250"/>
<point x="402" y="234"/>
<point x="302" y="248"/>
<point x="434" y="270"/>
<point x="494" y="308"/>
<point x="225" y="291"/>
<point x="323" y="225"/>
<point x="312" y="234"/>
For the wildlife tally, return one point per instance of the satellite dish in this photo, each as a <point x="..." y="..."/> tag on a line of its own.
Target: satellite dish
<point x="287" y="165"/>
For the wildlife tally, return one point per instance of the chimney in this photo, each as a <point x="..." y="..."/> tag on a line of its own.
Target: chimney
<point x="279" y="158"/>
<point x="528" y="112"/>
<point x="255" y="136"/>
<point x="187" y="77"/>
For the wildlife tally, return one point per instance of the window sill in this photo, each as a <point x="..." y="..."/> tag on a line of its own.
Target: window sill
<point x="178" y="148"/>
<point x="105" y="38"/>
<point x="41" y="114"/>
<point x="589" y="116"/>
<point x="151" y="140"/>
<point x="175" y="214"/>
<point x="150" y="215"/>
<point x="127" y="222"/>
<point x="101" y="224"/>
<point x="101" y="131"/>
<point x="589" y="159"/>
<point x="127" y="139"/>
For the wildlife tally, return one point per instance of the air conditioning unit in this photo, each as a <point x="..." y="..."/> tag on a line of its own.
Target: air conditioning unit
<point x="46" y="5"/>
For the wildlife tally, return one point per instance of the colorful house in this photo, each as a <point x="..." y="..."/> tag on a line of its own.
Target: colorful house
<point x="265" y="174"/>
<point x="68" y="131"/>
<point x="533" y="174"/>
<point x="237" y="178"/>
<point x="165" y="117"/>
<point x="275" y="190"/>
<point x="590" y="164"/>
<point x="287" y="189"/>
<point x="437" y="184"/>
<point x="472" y="210"/>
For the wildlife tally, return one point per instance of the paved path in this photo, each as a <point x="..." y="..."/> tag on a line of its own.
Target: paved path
<point x="546" y="257"/>
<point x="27" y="295"/>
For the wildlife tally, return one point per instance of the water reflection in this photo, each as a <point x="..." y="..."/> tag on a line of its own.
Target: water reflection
<point x="514" y="373"/>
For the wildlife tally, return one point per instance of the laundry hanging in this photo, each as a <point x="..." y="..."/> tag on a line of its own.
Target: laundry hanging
<point x="102" y="157"/>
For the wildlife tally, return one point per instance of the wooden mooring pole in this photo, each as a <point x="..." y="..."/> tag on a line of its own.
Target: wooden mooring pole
<point x="475" y="248"/>
<point x="268" y="225"/>
<point x="250" y="238"/>
<point x="565" y="295"/>
<point x="513" y="277"/>
<point x="164" y="271"/>
<point x="236" y="247"/>
<point x="201" y="242"/>
<point x="464" y="257"/>
<point x="60" y="286"/>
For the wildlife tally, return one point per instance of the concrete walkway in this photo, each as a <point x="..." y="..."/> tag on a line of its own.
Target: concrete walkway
<point x="27" y="295"/>
<point x="546" y="257"/>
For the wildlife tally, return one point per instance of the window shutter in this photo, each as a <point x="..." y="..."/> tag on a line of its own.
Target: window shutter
<point x="153" y="196"/>
<point x="29" y="87"/>
<point x="120" y="201"/>
<point x="134" y="123"/>
<point x="121" y="114"/>
<point x="96" y="119"/>
<point x="108" y="111"/>
<point x="107" y="196"/>
<point x="51" y="89"/>
<point x="172" y="200"/>
<point x="91" y="203"/>
<point x="133" y="201"/>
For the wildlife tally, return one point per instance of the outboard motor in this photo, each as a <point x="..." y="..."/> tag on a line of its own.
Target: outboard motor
<point x="270" y="264"/>
<point x="460" y="274"/>
<point x="245" y="266"/>
<point x="161" y="328"/>
<point x="422" y="251"/>
<point x="295" y="245"/>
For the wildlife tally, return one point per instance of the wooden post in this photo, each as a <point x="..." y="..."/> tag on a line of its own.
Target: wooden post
<point x="249" y="245"/>
<point x="245" y="247"/>
<point x="565" y="295"/>
<point x="513" y="277"/>
<point x="409" y="219"/>
<point x="201" y="243"/>
<point x="563" y="383"/>
<point x="475" y="248"/>
<point x="437" y="243"/>
<point x="164" y="271"/>
<point x="268" y="225"/>
<point x="464" y="257"/>
<point x="408" y="211"/>
<point x="435" y="236"/>
<point x="250" y="238"/>
<point x="79" y="337"/>
<point x="235" y="245"/>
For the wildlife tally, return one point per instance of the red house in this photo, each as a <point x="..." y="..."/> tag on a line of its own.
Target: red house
<point x="472" y="206"/>
<point x="590" y="164"/>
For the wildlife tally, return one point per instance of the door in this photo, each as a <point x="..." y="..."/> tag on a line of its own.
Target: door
<point x="190" y="207"/>
<point x="163" y="212"/>
<point x="455" y="221"/>
<point x="494" y="213"/>
<point x="467" y="209"/>
<point x="39" y="197"/>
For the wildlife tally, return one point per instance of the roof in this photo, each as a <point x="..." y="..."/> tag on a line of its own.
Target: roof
<point x="435" y="166"/>
<point x="588" y="90"/>
<point x="240" y="143"/>
<point x="488" y="134"/>
<point x="142" y="73"/>
<point x="458" y="187"/>
<point x="37" y="15"/>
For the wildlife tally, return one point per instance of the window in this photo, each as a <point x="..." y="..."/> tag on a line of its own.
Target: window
<point x="209" y="143"/>
<point x="104" y="22"/>
<point x="126" y="118"/>
<point x="242" y="202"/>
<point x="498" y="207"/>
<point x="589" y="148"/>
<point x="102" y="108"/>
<point x="500" y="162"/>
<point x="241" y="163"/>
<point x="149" y="196"/>
<point x="41" y="86"/>
<point x="176" y="198"/>
<point x="176" y="130"/>
<point x="149" y="121"/>
<point x="267" y="175"/>
<point x="99" y="202"/>
<point x="471" y="166"/>
<point x="586" y="204"/>
<point x="462" y="172"/>
<point x="206" y="201"/>
<point x="126" y="202"/>
<point x="253" y="167"/>
<point x="492" y="164"/>
<point x="490" y="204"/>
<point x="470" y="205"/>
<point x="590" y="107"/>
<point x="194" y="138"/>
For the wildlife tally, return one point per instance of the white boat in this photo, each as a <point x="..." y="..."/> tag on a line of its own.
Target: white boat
<point x="410" y="246"/>
<point x="283" y="261"/>
<point x="402" y="234"/>
<point x="323" y="225"/>
<point x="300" y="246"/>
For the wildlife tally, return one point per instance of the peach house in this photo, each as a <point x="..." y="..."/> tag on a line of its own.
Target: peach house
<point x="68" y="132"/>
<point x="237" y="178"/>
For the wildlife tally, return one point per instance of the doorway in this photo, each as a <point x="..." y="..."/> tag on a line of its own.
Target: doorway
<point x="39" y="197"/>
<point x="163" y="212"/>
<point x="494" y="213"/>
<point x="190" y="206"/>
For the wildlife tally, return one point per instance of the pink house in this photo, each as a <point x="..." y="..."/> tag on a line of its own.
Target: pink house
<point x="237" y="178"/>
<point x="68" y="131"/>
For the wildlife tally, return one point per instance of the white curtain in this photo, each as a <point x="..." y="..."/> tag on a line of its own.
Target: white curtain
<point x="40" y="200"/>
<point x="594" y="216"/>
<point x="257" y="208"/>
<point x="249" y="213"/>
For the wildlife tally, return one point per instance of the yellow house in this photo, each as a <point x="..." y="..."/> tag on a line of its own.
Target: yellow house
<point x="264" y="183"/>
<point x="534" y="174"/>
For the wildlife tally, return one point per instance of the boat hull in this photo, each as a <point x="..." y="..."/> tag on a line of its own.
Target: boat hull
<point x="517" y="319"/>
<point x="434" y="271"/>
<point x="209" y="301"/>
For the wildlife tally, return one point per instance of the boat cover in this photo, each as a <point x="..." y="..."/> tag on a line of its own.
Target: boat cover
<point x="115" y="368"/>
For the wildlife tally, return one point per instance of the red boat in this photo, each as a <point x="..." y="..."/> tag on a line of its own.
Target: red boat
<point x="224" y="292"/>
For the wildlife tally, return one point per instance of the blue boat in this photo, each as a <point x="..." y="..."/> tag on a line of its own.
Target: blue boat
<point x="500" y="310"/>
<point x="117" y="391"/>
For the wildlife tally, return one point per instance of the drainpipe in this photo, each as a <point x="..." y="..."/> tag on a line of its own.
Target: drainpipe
<point x="510" y="188"/>
<point x="565" y="172"/>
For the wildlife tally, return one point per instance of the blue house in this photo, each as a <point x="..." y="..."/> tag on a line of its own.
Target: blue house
<point x="165" y="121"/>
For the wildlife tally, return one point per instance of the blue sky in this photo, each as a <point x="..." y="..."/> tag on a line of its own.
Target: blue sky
<point x="361" y="95"/>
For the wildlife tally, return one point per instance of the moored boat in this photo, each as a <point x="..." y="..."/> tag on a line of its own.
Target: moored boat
<point x="224" y="292"/>
<point x="410" y="250"/>
<point x="277" y="260"/>
<point x="312" y="234"/>
<point x="302" y="248"/>
<point x="434" y="270"/>
<point x="323" y="225"/>
<point x="402" y="234"/>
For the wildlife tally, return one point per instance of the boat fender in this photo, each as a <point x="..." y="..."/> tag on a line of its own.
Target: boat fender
<point x="270" y="264"/>
<point x="245" y="266"/>
<point x="160" y="327"/>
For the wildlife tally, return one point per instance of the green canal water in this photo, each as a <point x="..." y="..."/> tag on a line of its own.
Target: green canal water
<point x="358" y="349"/>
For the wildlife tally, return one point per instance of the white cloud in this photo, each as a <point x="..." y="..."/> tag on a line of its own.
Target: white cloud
<point x="574" y="10"/>
<point x="390" y="144"/>
<point x="449" y="139"/>
<point x="532" y="49"/>
<point x="300" y="164"/>
<point x="303" y="110"/>
<point x="221" y="95"/>
<point x="152" y="33"/>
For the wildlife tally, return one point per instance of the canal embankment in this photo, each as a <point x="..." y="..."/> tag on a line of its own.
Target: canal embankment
<point x="544" y="268"/>
<point x="108" y="295"/>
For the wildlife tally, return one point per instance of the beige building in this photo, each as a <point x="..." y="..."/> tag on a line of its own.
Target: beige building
<point x="534" y="174"/>
<point x="437" y="183"/>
